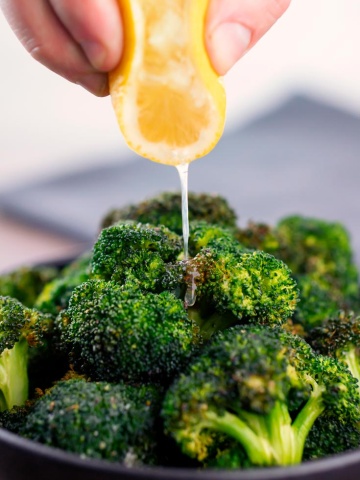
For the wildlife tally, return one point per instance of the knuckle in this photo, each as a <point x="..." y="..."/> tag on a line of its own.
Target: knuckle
<point x="37" y="50"/>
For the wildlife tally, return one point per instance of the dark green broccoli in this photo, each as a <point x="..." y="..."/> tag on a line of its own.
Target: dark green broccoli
<point x="329" y="436"/>
<point x="319" y="254"/>
<point x="165" y="210"/>
<point x="115" y="332"/>
<point x="263" y="388"/>
<point x="204" y="233"/>
<point x="26" y="283"/>
<point x="339" y="337"/>
<point x="320" y="248"/>
<point x="227" y="453"/>
<point x="21" y="328"/>
<point x="142" y="253"/>
<point x="56" y="294"/>
<point x="250" y="286"/>
<point x="320" y="257"/>
<point x="14" y="419"/>
<point x="259" y="236"/>
<point x="98" y="420"/>
<point x="316" y="302"/>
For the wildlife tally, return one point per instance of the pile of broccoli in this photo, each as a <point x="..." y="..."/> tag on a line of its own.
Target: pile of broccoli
<point x="246" y="354"/>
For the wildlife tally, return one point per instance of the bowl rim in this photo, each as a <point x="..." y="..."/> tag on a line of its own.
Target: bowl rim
<point x="303" y="470"/>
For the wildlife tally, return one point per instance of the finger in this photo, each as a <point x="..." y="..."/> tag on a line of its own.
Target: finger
<point x="234" y="26"/>
<point x="95" y="25"/>
<point x="45" y="38"/>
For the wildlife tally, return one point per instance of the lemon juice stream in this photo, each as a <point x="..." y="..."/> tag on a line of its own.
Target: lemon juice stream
<point x="183" y="170"/>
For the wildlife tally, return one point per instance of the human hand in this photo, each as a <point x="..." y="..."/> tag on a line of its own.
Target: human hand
<point x="82" y="40"/>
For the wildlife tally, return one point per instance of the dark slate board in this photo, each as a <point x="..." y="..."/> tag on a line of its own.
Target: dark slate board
<point x="302" y="158"/>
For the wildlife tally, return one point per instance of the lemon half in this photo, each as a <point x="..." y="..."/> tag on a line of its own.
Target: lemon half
<point x="169" y="102"/>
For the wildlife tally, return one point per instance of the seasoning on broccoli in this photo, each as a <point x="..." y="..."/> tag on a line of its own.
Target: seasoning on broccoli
<point x="116" y="332"/>
<point x="263" y="388"/>
<point x="98" y="420"/>
<point x="165" y="210"/>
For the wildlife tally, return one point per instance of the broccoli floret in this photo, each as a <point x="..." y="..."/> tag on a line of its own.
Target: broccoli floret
<point x="322" y="250"/>
<point x="316" y="302"/>
<point x="14" y="419"/>
<point x="329" y="436"/>
<point x="320" y="257"/>
<point x="263" y="388"/>
<point x="116" y="333"/>
<point x="318" y="247"/>
<point x="250" y="286"/>
<point x="138" y="252"/>
<point x="26" y="283"/>
<point x="21" y="328"/>
<point x="165" y="209"/>
<point x="56" y="294"/>
<point x="259" y="236"/>
<point x="339" y="337"/>
<point x="204" y="233"/>
<point x="98" y="420"/>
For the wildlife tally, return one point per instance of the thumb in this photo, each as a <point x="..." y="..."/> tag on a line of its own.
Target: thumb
<point x="234" y="26"/>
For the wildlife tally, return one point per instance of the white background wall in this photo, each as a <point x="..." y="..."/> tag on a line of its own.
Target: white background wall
<point x="48" y="125"/>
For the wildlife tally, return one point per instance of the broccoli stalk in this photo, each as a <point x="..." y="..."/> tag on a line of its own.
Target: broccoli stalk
<point x="272" y="439"/>
<point x="20" y="329"/>
<point x="263" y="389"/>
<point x="351" y="358"/>
<point x="13" y="376"/>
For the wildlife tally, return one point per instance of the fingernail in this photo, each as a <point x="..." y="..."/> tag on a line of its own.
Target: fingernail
<point x="95" y="53"/>
<point x="229" y="41"/>
<point x="96" y="83"/>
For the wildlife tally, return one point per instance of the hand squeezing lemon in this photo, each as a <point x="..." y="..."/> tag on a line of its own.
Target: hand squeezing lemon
<point x="169" y="102"/>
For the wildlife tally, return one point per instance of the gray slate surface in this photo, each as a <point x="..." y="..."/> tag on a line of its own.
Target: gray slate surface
<point x="302" y="158"/>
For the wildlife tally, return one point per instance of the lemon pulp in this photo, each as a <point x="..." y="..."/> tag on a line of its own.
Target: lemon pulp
<point x="169" y="102"/>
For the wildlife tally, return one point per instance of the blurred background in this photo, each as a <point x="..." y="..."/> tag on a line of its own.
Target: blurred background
<point x="50" y="128"/>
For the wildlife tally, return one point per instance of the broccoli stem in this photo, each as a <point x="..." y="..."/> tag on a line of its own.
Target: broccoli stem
<point x="277" y="429"/>
<point x="257" y="448"/>
<point x="306" y="418"/>
<point x="271" y="439"/>
<point x="13" y="376"/>
<point x="351" y="359"/>
<point x="209" y="324"/>
<point x="281" y="434"/>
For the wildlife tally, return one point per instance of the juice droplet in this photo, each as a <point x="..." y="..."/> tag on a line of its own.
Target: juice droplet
<point x="183" y="174"/>
<point x="190" y="295"/>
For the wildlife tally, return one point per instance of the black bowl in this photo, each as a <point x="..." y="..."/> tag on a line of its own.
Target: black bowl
<point x="22" y="459"/>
